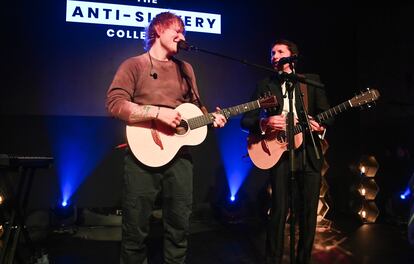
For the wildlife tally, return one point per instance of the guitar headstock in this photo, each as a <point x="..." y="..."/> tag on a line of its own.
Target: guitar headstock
<point x="268" y="101"/>
<point x="369" y="96"/>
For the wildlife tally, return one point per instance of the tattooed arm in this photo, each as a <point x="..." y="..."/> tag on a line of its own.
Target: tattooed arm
<point x="134" y="113"/>
<point x="144" y="113"/>
<point x="149" y="112"/>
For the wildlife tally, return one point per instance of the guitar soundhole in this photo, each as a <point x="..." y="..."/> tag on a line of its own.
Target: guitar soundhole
<point x="182" y="128"/>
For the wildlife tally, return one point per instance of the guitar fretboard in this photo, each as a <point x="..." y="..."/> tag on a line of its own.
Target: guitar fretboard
<point x="334" y="111"/>
<point x="203" y="120"/>
<point x="327" y="114"/>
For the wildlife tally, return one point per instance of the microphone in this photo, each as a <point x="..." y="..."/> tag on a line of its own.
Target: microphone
<point x="182" y="44"/>
<point x="284" y="60"/>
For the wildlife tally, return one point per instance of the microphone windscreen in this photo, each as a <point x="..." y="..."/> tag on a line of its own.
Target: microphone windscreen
<point x="183" y="45"/>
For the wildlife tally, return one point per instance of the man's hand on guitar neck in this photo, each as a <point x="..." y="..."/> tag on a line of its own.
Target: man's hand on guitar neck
<point x="315" y="126"/>
<point x="219" y="119"/>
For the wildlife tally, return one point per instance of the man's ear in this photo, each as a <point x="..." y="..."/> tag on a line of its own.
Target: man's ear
<point x="158" y="30"/>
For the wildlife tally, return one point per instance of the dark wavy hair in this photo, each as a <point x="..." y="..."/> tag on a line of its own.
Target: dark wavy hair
<point x="163" y="20"/>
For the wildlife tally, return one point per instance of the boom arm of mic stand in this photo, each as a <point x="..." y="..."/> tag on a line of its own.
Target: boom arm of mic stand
<point x="296" y="78"/>
<point x="291" y="76"/>
<point x="232" y="58"/>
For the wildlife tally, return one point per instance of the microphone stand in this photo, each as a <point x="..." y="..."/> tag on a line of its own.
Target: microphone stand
<point x="291" y="79"/>
<point x="290" y="87"/>
<point x="292" y="168"/>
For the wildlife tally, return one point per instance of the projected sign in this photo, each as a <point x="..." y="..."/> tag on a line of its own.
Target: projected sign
<point x="136" y="16"/>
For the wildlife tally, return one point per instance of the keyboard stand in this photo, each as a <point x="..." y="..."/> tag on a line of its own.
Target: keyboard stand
<point x="15" y="226"/>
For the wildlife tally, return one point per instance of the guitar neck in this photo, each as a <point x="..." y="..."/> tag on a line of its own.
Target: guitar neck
<point x="327" y="114"/>
<point x="358" y="100"/>
<point x="203" y="120"/>
<point x="334" y="111"/>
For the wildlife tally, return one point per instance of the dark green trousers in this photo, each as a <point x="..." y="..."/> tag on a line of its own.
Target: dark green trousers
<point x="141" y="186"/>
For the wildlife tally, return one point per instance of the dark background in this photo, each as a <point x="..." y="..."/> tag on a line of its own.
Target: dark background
<point x="56" y="76"/>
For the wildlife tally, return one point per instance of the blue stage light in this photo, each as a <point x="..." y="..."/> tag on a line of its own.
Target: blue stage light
<point x="232" y="198"/>
<point x="406" y="194"/>
<point x="63" y="214"/>
<point x="233" y="154"/>
<point x="79" y="144"/>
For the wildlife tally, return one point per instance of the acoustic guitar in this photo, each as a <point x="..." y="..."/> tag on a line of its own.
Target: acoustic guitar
<point x="155" y="144"/>
<point x="266" y="150"/>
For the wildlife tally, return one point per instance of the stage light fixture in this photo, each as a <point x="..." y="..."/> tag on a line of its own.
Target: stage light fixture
<point x="369" y="212"/>
<point x="406" y="194"/>
<point x="325" y="167"/>
<point x="368" y="188"/>
<point x="324" y="188"/>
<point x="368" y="165"/>
<point x="64" y="214"/>
<point x="231" y="209"/>
<point x="323" y="206"/>
<point x="1" y="199"/>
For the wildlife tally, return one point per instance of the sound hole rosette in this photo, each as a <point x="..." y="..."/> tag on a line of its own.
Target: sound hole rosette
<point x="182" y="129"/>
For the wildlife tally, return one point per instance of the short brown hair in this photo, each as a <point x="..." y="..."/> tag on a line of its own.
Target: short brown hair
<point x="293" y="48"/>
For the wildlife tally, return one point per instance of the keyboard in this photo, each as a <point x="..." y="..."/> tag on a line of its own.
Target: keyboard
<point x="25" y="161"/>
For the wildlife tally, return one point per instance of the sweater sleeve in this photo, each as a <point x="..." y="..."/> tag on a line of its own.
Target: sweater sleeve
<point x="119" y="97"/>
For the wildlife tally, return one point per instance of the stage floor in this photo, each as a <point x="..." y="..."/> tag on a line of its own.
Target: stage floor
<point x="342" y="240"/>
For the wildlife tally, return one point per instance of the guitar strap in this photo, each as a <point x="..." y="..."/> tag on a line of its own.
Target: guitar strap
<point x="304" y="90"/>
<point x="190" y="91"/>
